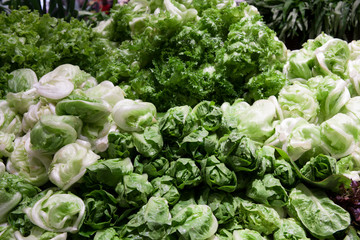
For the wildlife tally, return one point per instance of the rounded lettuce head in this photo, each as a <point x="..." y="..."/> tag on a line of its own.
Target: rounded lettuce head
<point x="21" y="101"/>
<point x="27" y="163"/>
<point x="70" y="162"/>
<point x="22" y="80"/>
<point x="34" y="113"/>
<point x="57" y="212"/>
<point x="354" y="76"/>
<point x="10" y="122"/>
<point x="297" y="100"/>
<point x="87" y="111"/>
<point x="6" y="144"/>
<point x="195" y="222"/>
<point x="340" y="134"/>
<point x="257" y="121"/>
<point x="304" y="141"/>
<point x="332" y="58"/>
<point x="354" y="47"/>
<point x="57" y="84"/>
<point x="133" y="116"/>
<point x="299" y="65"/>
<point x="332" y="94"/>
<point x="247" y="234"/>
<point x="106" y="91"/>
<point x="53" y="132"/>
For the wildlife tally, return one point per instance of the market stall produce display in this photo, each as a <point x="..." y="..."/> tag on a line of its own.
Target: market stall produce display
<point x="208" y="128"/>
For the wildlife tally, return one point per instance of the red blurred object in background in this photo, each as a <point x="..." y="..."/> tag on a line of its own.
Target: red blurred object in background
<point x="105" y="6"/>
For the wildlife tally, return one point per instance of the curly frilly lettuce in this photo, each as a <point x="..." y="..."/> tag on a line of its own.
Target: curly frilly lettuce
<point x="57" y="212"/>
<point x="13" y="189"/>
<point x="70" y="162"/>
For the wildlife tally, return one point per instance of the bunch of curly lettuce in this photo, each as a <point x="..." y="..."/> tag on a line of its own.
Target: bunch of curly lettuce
<point x="158" y="51"/>
<point x="82" y="162"/>
<point x="42" y="43"/>
<point x="209" y="50"/>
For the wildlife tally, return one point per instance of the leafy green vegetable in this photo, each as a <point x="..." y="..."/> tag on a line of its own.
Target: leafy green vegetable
<point x="57" y="211"/>
<point x="134" y="190"/>
<point x="290" y="229"/>
<point x="70" y="162"/>
<point x="268" y="191"/>
<point x="320" y="216"/>
<point x="53" y="132"/>
<point x="218" y="176"/>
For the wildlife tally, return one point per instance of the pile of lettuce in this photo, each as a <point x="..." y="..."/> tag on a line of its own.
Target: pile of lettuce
<point x="41" y="43"/>
<point x="158" y="51"/>
<point x="79" y="161"/>
<point x="209" y="50"/>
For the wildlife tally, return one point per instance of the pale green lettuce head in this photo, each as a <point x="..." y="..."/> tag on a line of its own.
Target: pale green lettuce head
<point x="304" y="141"/>
<point x="52" y="132"/>
<point x="33" y="115"/>
<point x="299" y="65"/>
<point x="97" y="133"/>
<point x="22" y="80"/>
<point x="352" y="109"/>
<point x="106" y="91"/>
<point x="70" y="162"/>
<point x="354" y="47"/>
<point x="133" y="116"/>
<point x="27" y="163"/>
<point x="10" y="122"/>
<point x="332" y="58"/>
<point x="60" y="82"/>
<point x="57" y="212"/>
<point x="340" y="135"/>
<point x="257" y="121"/>
<point x="297" y="100"/>
<point x="87" y="109"/>
<point x="21" y="101"/>
<point x="282" y="131"/>
<point x="332" y="94"/>
<point x="247" y="234"/>
<point x="354" y="76"/>
<point x="6" y="144"/>
<point x="232" y="113"/>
